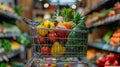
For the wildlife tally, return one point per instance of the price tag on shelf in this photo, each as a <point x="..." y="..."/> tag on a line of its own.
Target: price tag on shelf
<point x="106" y="47"/>
<point x="5" y="58"/>
<point x="1" y="59"/>
<point x="1" y="35"/>
<point x="118" y="50"/>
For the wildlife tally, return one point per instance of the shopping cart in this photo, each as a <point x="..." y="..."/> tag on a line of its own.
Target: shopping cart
<point x="76" y="50"/>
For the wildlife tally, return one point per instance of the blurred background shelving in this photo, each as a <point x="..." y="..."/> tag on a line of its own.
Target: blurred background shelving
<point x="12" y="38"/>
<point x="9" y="15"/>
<point x="104" y="46"/>
<point x="102" y="21"/>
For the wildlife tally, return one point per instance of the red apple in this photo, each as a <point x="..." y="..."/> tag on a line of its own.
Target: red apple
<point x="111" y="57"/>
<point x="111" y="13"/>
<point x="107" y="63"/>
<point x="102" y="59"/>
<point x="100" y="64"/>
<point x="117" y="5"/>
<point x="115" y="63"/>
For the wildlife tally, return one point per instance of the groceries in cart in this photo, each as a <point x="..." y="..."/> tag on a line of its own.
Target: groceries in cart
<point x="63" y="35"/>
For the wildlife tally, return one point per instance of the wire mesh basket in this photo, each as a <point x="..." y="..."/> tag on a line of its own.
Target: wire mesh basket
<point x="59" y="44"/>
<point x="53" y="63"/>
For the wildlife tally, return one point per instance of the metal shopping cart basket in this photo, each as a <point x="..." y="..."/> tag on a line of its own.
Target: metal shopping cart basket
<point x="60" y="55"/>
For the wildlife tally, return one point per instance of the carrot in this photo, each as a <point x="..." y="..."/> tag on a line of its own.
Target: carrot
<point x="115" y="39"/>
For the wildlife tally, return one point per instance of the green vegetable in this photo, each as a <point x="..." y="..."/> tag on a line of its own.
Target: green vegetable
<point x="3" y="65"/>
<point x="6" y="45"/>
<point x="107" y="36"/>
<point x="18" y="10"/>
<point x="10" y="27"/>
<point x="74" y="34"/>
<point x="77" y="18"/>
<point x="24" y="39"/>
<point x="105" y="12"/>
<point x="17" y="64"/>
<point x="67" y="13"/>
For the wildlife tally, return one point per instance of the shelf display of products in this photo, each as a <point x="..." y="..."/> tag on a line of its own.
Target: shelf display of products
<point x="103" y="58"/>
<point x="12" y="39"/>
<point x="105" y="16"/>
<point x="12" y="64"/>
<point x="110" y="41"/>
<point x="8" y="12"/>
<point x="104" y="25"/>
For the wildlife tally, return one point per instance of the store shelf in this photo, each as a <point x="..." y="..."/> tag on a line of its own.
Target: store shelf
<point x="97" y="6"/>
<point x="104" y="46"/>
<point x="88" y="62"/>
<point x="41" y="12"/>
<point x="106" y="21"/>
<point x="9" y="34"/>
<point x="9" y="15"/>
<point x="12" y="54"/>
<point x="6" y="55"/>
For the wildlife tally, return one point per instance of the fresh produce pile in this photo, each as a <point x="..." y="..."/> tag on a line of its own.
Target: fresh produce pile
<point x="6" y="8"/>
<point x="6" y="27"/>
<point x="63" y="35"/>
<point x="115" y="39"/>
<point x="109" y="60"/>
<point x="112" y="37"/>
<point x="97" y="17"/>
<point x="9" y="45"/>
<point x="11" y="64"/>
<point x="103" y="58"/>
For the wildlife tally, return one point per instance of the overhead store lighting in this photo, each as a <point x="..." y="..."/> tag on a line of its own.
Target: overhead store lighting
<point x="73" y="6"/>
<point x="79" y="0"/>
<point x="40" y="0"/>
<point x="63" y="2"/>
<point x="46" y="5"/>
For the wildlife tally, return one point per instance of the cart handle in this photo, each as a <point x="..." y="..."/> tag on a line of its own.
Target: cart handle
<point x="28" y="21"/>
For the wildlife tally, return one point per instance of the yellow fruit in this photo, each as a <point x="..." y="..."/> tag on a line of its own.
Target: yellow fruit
<point x="40" y="31"/>
<point x="15" y="45"/>
<point x="60" y="23"/>
<point x="48" y="24"/>
<point x="53" y="65"/>
<point x="66" y="65"/>
<point x="4" y="7"/>
<point x="57" y="49"/>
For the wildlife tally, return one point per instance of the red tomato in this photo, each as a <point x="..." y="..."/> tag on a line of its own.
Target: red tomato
<point x="115" y="63"/>
<point x="36" y="41"/>
<point x="111" y="13"/>
<point x="111" y="57"/>
<point x="52" y="37"/>
<point x="45" y="50"/>
<point x="100" y="64"/>
<point x="107" y="63"/>
<point x="117" y="5"/>
<point x="62" y="33"/>
<point x="102" y="59"/>
<point x="42" y="40"/>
